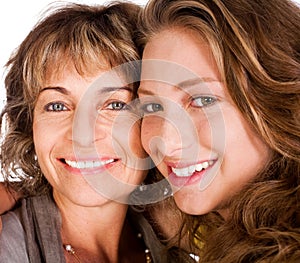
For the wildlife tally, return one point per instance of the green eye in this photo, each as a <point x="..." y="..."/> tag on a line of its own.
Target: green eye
<point x="152" y="107"/>
<point x="203" y="101"/>
<point x="117" y="105"/>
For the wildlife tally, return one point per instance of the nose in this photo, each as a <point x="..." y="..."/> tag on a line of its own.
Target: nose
<point x="84" y="132"/>
<point x="176" y="136"/>
<point x="168" y="140"/>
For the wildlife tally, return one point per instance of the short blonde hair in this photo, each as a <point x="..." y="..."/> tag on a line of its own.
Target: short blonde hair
<point x="90" y="37"/>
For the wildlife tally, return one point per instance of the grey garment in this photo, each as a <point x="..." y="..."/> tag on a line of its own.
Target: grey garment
<point x="41" y="220"/>
<point x="157" y="249"/>
<point x="159" y="252"/>
<point x="12" y="240"/>
<point x="31" y="233"/>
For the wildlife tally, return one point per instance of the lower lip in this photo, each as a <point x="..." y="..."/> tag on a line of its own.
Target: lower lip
<point x="180" y="181"/>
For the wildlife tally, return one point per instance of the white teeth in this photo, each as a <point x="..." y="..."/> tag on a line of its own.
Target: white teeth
<point x="199" y="167"/>
<point x="205" y="165"/>
<point x="88" y="164"/>
<point x="188" y="171"/>
<point x="192" y="169"/>
<point x="185" y="171"/>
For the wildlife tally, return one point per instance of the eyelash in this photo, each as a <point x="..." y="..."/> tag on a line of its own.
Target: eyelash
<point x="52" y="104"/>
<point x="145" y="108"/>
<point x="50" y="107"/>
<point x="111" y="106"/>
<point x="205" y="101"/>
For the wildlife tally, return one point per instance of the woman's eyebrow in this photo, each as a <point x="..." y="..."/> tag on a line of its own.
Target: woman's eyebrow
<point x="56" y="88"/>
<point x="182" y="85"/>
<point x="114" y="89"/>
<point x="195" y="81"/>
<point x="100" y="90"/>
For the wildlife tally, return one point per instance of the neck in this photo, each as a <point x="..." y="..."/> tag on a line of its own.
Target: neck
<point x="94" y="231"/>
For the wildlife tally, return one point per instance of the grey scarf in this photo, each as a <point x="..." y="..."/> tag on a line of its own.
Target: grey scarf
<point x="41" y="221"/>
<point x="42" y="224"/>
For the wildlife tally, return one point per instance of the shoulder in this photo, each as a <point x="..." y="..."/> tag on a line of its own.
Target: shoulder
<point x="159" y="250"/>
<point x="8" y="198"/>
<point x="31" y="232"/>
<point x="12" y="239"/>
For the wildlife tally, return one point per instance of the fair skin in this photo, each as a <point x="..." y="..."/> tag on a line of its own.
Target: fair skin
<point x="77" y="146"/>
<point x="7" y="200"/>
<point x="194" y="133"/>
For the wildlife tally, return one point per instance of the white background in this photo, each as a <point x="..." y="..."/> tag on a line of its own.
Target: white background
<point x="17" y="17"/>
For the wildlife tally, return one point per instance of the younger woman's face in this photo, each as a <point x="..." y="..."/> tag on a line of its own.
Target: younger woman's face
<point x="191" y="128"/>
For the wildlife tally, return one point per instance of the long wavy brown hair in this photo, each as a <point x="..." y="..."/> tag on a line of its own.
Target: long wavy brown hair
<point x="90" y="37"/>
<point x="256" y="45"/>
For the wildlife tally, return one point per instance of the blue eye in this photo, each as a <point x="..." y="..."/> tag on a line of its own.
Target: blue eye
<point x="203" y="101"/>
<point x="117" y="105"/>
<point x="56" y="106"/>
<point x="152" y="107"/>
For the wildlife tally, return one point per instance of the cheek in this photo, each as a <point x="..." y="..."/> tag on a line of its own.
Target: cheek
<point x="47" y="134"/>
<point x="123" y="136"/>
<point x="135" y="140"/>
<point x="240" y="136"/>
<point x="207" y="131"/>
<point x="39" y="138"/>
<point x="148" y="131"/>
<point x="42" y="144"/>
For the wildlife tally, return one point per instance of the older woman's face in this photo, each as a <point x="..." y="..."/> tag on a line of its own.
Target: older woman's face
<point x="191" y="128"/>
<point x="86" y="137"/>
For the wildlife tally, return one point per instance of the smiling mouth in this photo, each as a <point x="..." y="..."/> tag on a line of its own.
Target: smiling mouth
<point x="87" y="164"/>
<point x="191" y="169"/>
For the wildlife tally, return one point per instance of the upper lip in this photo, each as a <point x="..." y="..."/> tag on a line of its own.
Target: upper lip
<point x="188" y="169"/>
<point x="181" y="164"/>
